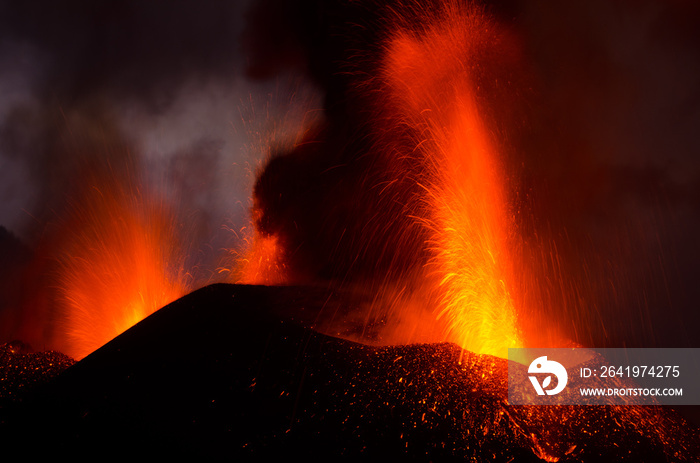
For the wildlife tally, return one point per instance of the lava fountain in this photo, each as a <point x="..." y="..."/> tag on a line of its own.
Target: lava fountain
<point x="429" y="77"/>
<point x="120" y="259"/>
<point x="408" y="199"/>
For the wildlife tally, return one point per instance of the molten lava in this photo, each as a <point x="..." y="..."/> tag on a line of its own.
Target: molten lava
<point x="120" y="261"/>
<point x="465" y="206"/>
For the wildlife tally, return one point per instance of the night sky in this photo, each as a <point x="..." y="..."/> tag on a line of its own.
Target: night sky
<point x="197" y="95"/>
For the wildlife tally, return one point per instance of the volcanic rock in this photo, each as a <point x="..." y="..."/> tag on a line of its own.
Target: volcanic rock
<point x="239" y="372"/>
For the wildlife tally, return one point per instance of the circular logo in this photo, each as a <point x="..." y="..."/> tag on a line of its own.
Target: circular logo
<point x="549" y="367"/>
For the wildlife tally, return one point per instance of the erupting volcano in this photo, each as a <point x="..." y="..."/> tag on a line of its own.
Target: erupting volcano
<point x="397" y="242"/>
<point x="432" y="226"/>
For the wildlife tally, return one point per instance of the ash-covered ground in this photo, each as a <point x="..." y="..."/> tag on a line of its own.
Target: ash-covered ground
<point x="239" y="372"/>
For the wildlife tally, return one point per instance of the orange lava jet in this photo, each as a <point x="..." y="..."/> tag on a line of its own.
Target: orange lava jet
<point x="120" y="261"/>
<point x="433" y="78"/>
<point x="418" y="221"/>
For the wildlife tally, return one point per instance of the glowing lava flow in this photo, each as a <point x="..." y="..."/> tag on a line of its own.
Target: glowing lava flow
<point x="120" y="262"/>
<point x="433" y="77"/>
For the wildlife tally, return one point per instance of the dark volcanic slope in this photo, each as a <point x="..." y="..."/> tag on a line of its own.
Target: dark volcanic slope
<point x="226" y="371"/>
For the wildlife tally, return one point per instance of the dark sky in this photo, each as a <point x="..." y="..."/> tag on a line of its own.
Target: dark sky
<point x="165" y="79"/>
<point x="198" y="92"/>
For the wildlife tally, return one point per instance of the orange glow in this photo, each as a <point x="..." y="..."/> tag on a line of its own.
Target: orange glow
<point x="123" y="260"/>
<point x="432" y="77"/>
<point x="470" y="242"/>
<point x="262" y="262"/>
<point x="120" y="262"/>
<point x="432" y="125"/>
